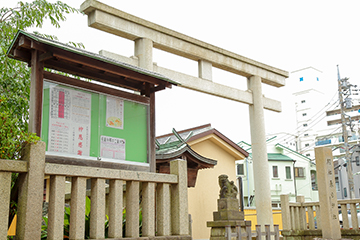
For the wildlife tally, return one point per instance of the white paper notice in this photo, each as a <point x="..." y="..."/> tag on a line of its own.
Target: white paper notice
<point x="111" y="147"/>
<point x="114" y="112"/>
<point x="69" y="121"/>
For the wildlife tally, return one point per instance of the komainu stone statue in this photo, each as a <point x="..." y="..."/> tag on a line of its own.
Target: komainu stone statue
<point x="228" y="204"/>
<point x="227" y="189"/>
<point x="228" y="213"/>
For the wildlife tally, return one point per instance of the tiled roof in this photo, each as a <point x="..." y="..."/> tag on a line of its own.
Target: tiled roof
<point x="175" y="145"/>
<point x="192" y="134"/>
<point x="184" y="134"/>
<point x="278" y="157"/>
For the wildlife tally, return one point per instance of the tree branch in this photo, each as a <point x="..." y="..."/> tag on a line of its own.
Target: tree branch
<point x="10" y="10"/>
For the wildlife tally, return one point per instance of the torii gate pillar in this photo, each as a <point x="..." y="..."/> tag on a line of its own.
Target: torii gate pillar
<point x="259" y="154"/>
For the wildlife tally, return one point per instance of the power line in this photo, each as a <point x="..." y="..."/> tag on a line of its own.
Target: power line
<point x="314" y="144"/>
<point x="297" y="133"/>
<point x="320" y="111"/>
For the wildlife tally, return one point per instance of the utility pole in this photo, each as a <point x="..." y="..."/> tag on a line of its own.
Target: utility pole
<point x="342" y="85"/>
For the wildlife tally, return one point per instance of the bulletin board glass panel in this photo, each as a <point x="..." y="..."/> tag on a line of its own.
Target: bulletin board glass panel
<point x="91" y="125"/>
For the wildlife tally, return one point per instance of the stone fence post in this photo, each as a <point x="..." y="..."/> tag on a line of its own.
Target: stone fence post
<point x="31" y="192"/>
<point x="179" y="199"/>
<point x="327" y="193"/>
<point x="285" y="211"/>
<point x="5" y="187"/>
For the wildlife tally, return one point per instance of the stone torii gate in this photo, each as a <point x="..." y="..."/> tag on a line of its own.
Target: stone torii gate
<point x="148" y="35"/>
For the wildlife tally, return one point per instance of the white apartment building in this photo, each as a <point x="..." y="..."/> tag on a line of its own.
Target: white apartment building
<point x="306" y="85"/>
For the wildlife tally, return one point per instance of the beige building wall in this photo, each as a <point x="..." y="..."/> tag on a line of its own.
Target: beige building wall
<point x="203" y="198"/>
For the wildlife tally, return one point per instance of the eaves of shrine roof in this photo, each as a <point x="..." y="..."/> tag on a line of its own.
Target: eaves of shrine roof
<point x="79" y="62"/>
<point x="182" y="149"/>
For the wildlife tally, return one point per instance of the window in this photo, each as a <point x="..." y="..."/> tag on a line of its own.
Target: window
<point x="337" y="183"/>
<point x="304" y="114"/>
<point x="299" y="172"/>
<point x="302" y="101"/>
<point x="306" y="135"/>
<point x="357" y="161"/>
<point x="275" y="205"/>
<point x="288" y="172"/>
<point x="308" y="154"/>
<point x="305" y="124"/>
<point x="306" y="144"/>
<point x="313" y="181"/>
<point x="275" y="171"/>
<point x="301" y="79"/>
<point x="240" y="169"/>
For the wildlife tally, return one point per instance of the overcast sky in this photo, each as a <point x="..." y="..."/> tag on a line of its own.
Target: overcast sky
<point x="289" y="35"/>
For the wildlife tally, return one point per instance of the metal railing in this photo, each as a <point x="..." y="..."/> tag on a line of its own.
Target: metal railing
<point x="248" y="234"/>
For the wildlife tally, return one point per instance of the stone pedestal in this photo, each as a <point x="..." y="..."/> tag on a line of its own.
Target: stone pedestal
<point x="228" y="209"/>
<point x="218" y="228"/>
<point x="228" y="214"/>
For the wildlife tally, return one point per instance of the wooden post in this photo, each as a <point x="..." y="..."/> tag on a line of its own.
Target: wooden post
<point x="36" y="93"/>
<point x="152" y="150"/>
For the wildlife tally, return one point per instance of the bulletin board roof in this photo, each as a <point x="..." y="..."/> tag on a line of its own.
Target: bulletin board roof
<point x="76" y="61"/>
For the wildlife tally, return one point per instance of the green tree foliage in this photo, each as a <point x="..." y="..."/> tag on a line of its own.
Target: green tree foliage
<point x="12" y="138"/>
<point x="15" y="75"/>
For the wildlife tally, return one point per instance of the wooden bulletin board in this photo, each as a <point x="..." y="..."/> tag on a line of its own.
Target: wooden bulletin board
<point x="92" y="125"/>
